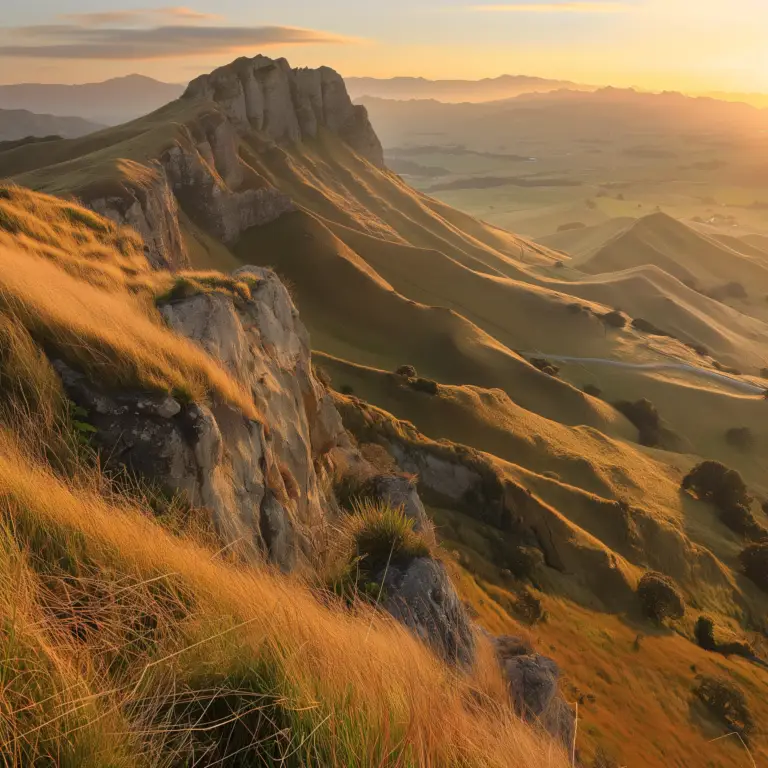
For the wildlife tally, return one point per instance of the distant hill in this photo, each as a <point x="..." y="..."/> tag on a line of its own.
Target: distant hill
<point x="569" y="115"/>
<point x="19" y="124"/>
<point x="489" y="89"/>
<point x="109" y="102"/>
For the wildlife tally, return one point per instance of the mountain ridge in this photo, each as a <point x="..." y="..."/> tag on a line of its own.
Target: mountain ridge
<point x="107" y="102"/>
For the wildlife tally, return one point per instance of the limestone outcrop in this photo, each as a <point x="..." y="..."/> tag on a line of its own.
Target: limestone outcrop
<point x="261" y="481"/>
<point x="151" y="209"/>
<point x="259" y="102"/>
<point x="285" y="105"/>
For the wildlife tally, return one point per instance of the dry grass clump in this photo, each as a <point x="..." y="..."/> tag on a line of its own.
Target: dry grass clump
<point x="79" y="241"/>
<point x="128" y="646"/>
<point x="117" y="339"/>
<point x="170" y="288"/>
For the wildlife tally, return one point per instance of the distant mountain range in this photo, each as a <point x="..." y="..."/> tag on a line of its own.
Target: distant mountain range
<point x="489" y="89"/>
<point x="20" y="123"/>
<point x="564" y="114"/>
<point x="109" y="103"/>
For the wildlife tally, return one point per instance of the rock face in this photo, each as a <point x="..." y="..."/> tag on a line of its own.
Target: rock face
<point x="265" y="346"/>
<point x="285" y="105"/>
<point x="153" y="212"/>
<point x="257" y="101"/>
<point x="259" y="481"/>
<point x="421" y="596"/>
<point x="207" y="177"/>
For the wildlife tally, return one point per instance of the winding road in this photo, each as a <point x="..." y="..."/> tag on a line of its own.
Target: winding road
<point x="722" y="378"/>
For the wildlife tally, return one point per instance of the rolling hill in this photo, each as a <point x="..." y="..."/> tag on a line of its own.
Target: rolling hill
<point x="18" y="124"/>
<point x="488" y="89"/>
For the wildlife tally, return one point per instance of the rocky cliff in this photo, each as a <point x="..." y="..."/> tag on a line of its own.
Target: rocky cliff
<point x="259" y="102"/>
<point x="261" y="481"/>
<point x="285" y="105"/>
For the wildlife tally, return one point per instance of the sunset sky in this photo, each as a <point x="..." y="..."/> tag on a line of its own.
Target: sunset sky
<point x="693" y="45"/>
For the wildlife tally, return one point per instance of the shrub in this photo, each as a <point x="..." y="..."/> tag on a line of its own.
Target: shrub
<point x="741" y="521"/>
<point x="704" y="632"/>
<point x="726" y="702"/>
<point x="754" y="561"/>
<point x="346" y="389"/>
<point x="740" y="437"/>
<point x="593" y="391"/>
<point x="408" y="371"/>
<point x="425" y="385"/>
<point x="615" y="319"/>
<point x="660" y="597"/>
<point x="714" y="482"/>
<point x="645" y="417"/>
<point x="559" y="265"/>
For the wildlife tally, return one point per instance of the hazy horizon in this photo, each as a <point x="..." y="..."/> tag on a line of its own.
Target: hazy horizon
<point x="648" y="44"/>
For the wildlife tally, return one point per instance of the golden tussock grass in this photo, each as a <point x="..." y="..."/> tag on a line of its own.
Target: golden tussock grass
<point x="79" y="241"/>
<point x="129" y="646"/>
<point x="118" y="339"/>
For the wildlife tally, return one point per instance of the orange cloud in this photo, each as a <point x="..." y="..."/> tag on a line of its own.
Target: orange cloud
<point x="167" y="42"/>
<point x="568" y="6"/>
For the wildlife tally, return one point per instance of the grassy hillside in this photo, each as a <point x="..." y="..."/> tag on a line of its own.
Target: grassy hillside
<point x="505" y="335"/>
<point x="132" y="641"/>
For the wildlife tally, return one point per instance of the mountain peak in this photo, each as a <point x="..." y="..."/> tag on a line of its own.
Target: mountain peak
<point x="287" y="104"/>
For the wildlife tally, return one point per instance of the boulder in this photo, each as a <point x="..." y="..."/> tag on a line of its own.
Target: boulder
<point x="533" y="682"/>
<point x="420" y="595"/>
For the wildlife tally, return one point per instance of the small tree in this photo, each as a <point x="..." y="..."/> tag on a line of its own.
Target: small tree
<point x="660" y="597"/>
<point x="615" y="319"/>
<point x="754" y="560"/>
<point x="408" y="371"/>
<point x="645" y="417"/>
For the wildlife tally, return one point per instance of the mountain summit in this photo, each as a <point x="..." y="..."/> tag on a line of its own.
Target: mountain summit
<point x="288" y="104"/>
